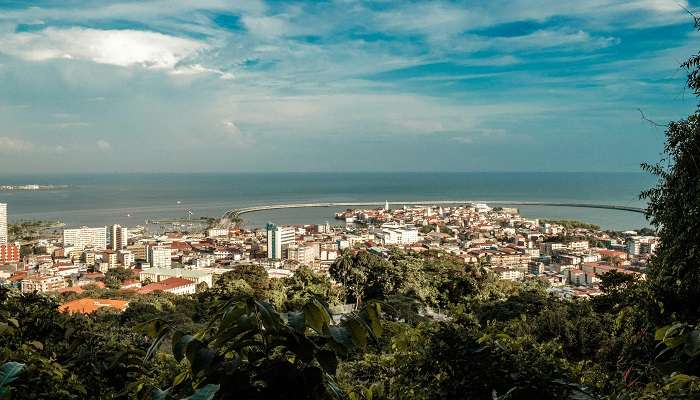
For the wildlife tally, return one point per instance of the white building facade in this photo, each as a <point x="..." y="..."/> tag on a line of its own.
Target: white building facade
<point x="3" y="224"/>
<point x="159" y="256"/>
<point x="278" y="237"/>
<point x="83" y="237"/>
<point x="119" y="237"/>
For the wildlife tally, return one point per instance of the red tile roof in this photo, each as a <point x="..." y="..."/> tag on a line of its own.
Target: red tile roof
<point x="164" y="285"/>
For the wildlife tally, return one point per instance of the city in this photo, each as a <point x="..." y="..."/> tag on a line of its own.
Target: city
<point x="568" y="255"/>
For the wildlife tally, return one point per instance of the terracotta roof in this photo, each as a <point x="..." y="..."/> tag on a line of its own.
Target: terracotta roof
<point x="164" y="285"/>
<point x="18" y="277"/>
<point x="180" y="246"/>
<point x="87" y="306"/>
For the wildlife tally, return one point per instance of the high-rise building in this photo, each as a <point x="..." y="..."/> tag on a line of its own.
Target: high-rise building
<point x="119" y="237"/>
<point x="3" y="224"/>
<point x="86" y="237"/>
<point x="159" y="256"/>
<point x="9" y="253"/>
<point x="278" y="238"/>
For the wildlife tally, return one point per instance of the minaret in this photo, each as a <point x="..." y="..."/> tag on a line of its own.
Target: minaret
<point x="386" y="205"/>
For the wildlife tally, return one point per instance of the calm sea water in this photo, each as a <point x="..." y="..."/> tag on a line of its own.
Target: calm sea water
<point x="130" y="199"/>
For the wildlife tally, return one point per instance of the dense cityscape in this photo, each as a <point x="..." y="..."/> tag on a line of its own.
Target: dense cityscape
<point x="569" y="256"/>
<point x="349" y="200"/>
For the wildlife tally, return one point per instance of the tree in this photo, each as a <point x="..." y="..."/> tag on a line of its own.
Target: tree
<point x="674" y="209"/>
<point x="254" y="276"/>
<point x="115" y="276"/>
<point x="363" y="274"/>
<point x="614" y="282"/>
<point x="249" y="351"/>
<point x="305" y="285"/>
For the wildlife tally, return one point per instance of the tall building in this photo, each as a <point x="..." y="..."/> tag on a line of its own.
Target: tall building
<point x="86" y="237"/>
<point x="9" y="253"/>
<point x="119" y="237"/>
<point x="159" y="256"/>
<point x="278" y="237"/>
<point x="3" y="224"/>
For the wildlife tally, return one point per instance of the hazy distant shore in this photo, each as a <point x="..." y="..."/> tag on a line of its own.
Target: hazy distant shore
<point x="32" y="187"/>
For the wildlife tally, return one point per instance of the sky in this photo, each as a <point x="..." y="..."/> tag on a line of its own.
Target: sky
<point x="252" y="85"/>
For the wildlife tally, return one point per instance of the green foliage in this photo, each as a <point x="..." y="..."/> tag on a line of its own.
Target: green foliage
<point x="254" y="276"/>
<point x="250" y="351"/>
<point x="674" y="209"/>
<point x="571" y="224"/>
<point x="9" y="372"/>
<point x="305" y="285"/>
<point x="115" y="276"/>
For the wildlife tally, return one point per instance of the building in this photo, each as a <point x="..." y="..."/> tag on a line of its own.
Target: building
<point x="217" y="232"/>
<point x="159" y="256"/>
<point x="579" y="245"/>
<point x="139" y="251"/>
<point x="9" y="253"/>
<point x="278" y="238"/>
<point x="126" y="258"/>
<point x="110" y="257"/>
<point x="177" y="286"/>
<point x="4" y="238"/>
<point x="548" y="248"/>
<point x="397" y="236"/>
<point x="83" y="237"/>
<point x="304" y="255"/>
<point x="508" y="274"/>
<point x="637" y="245"/>
<point x="87" y="305"/>
<point x="118" y="238"/>
<point x="42" y="284"/>
<point x="160" y="274"/>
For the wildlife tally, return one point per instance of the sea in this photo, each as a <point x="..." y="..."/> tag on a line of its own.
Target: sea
<point x="132" y="199"/>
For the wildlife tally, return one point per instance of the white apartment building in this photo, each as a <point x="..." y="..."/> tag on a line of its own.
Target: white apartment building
<point x="549" y="247"/>
<point x="637" y="245"/>
<point x="42" y="284"/>
<point x="204" y="261"/>
<point x="83" y="237"/>
<point x="119" y="237"/>
<point x="278" y="237"/>
<point x="397" y="236"/>
<point x="508" y="274"/>
<point x="217" y="232"/>
<point x="3" y="224"/>
<point x="579" y="245"/>
<point x="159" y="256"/>
<point x="304" y="255"/>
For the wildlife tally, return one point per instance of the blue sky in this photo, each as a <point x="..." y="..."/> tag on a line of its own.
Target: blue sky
<point x="218" y="85"/>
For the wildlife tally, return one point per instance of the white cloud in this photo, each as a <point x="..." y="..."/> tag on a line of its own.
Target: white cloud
<point x="264" y="26"/>
<point x="10" y="145"/>
<point x="104" y="145"/>
<point x="543" y="39"/>
<point x="116" y="47"/>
